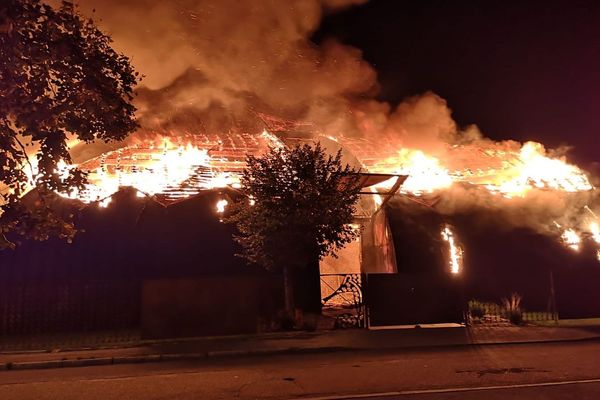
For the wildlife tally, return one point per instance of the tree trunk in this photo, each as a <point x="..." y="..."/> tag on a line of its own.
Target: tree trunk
<point x="288" y="292"/>
<point x="307" y="287"/>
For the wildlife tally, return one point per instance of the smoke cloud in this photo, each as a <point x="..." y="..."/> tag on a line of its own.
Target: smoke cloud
<point x="212" y="65"/>
<point x="223" y="60"/>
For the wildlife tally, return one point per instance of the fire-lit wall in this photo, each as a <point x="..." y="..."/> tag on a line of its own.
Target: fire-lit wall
<point x="372" y="253"/>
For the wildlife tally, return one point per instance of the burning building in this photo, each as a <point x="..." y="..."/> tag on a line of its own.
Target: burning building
<point x="152" y="211"/>
<point x="215" y="71"/>
<point x="431" y="235"/>
<point x="421" y="222"/>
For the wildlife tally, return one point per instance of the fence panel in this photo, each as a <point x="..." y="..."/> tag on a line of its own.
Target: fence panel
<point x="69" y="307"/>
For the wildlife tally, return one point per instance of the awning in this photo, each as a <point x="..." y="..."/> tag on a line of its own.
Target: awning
<point x="369" y="179"/>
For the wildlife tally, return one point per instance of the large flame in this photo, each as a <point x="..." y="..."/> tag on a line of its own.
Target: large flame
<point x="177" y="170"/>
<point x="183" y="169"/>
<point x="500" y="169"/>
<point x="533" y="169"/>
<point x="169" y="169"/>
<point x="425" y="174"/>
<point x="509" y="173"/>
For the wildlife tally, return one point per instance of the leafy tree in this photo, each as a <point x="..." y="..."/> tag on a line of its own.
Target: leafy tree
<point x="60" y="80"/>
<point x="298" y="208"/>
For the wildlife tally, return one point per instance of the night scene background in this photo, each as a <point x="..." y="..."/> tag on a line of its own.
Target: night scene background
<point x="461" y="85"/>
<point x="471" y="259"/>
<point x="523" y="70"/>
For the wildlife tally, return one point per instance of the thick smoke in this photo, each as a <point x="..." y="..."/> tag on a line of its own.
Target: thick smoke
<point x="540" y="210"/>
<point x="215" y="64"/>
<point x="212" y="65"/>
<point x="221" y="61"/>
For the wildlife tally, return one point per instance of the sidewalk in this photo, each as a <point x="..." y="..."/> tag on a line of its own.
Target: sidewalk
<point x="293" y="342"/>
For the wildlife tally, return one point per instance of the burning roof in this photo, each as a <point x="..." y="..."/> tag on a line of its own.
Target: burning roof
<point x="524" y="184"/>
<point x="172" y="168"/>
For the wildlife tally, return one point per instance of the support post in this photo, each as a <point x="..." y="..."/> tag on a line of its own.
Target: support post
<point x="553" y="299"/>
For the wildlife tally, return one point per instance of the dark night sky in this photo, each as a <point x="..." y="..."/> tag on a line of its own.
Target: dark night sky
<point x="524" y="70"/>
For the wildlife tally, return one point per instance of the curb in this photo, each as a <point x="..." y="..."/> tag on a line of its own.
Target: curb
<point x="94" y="361"/>
<point x="149" y="342"/>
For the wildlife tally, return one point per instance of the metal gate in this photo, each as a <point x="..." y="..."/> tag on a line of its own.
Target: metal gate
<point x="342" y="299"/>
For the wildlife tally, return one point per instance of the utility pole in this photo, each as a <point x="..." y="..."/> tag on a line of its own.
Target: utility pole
<point x="553" y="298"/>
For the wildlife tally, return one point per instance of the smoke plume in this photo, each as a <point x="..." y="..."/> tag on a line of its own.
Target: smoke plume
<point x="212" y="65"/>
<point x="220" y="61"/>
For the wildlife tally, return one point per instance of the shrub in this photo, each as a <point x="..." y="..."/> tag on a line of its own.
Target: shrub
<point x="512" y="308"/>
<point x="476" y="309"/>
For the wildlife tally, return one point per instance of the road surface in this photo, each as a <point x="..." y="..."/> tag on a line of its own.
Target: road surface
<point x="529" y="371"/>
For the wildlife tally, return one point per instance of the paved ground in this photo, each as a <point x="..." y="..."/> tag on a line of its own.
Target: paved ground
<point x="292" y="342"/>
<point x="549" y="391"/>
<point x="538" y="371"/>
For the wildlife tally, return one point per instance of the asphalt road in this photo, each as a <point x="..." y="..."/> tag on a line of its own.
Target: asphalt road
<point x="534" y="371"/>
<point x="547" y="391"/>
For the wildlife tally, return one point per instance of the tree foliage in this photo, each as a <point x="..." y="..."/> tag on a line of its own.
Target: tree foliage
<point x="60" y="80"/>
<point x="299" y="205"/>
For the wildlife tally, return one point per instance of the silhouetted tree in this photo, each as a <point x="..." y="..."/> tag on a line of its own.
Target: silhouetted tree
<point x="298" y="208"/>
<point x="60" y="80"/>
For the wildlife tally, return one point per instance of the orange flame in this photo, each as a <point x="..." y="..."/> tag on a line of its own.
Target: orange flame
<point x="595" y="231"/>
<point x="425" y="174"/>
<point x="513" y="174"/>
<point x="221" y="204"/>
<point x="179" y="170"/>
<point x="456" y="252"/>
<point x="533" y="169"/>
<point x="571" y="239"/>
